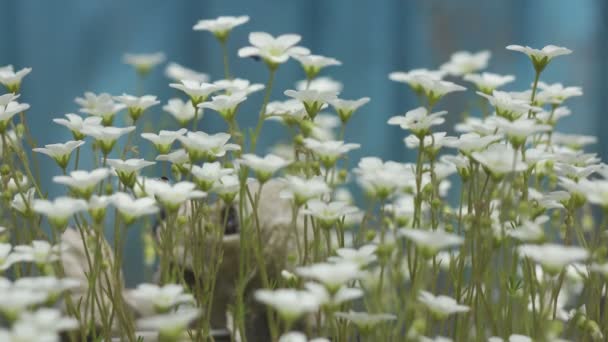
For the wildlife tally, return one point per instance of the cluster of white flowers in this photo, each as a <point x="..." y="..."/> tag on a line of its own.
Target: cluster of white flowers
<point x="266" y="244"/>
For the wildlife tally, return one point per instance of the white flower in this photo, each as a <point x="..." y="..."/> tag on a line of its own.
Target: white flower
<point x="75" y="124"/>
<point x="177" y="157"/>
<point x="290" y="303"/>
<point x="11" y="79"/>
<point x="363" y="256"/>
<point x="320" y="84"/>
<point x="508" y="106"/>
<point x="500" y="159"/>
<point x="332" y="275"/>
<point x="556" y="94"/>
<point x="47" y="320"/>
<point x="198" y="91"/>
<point x="411" y="77"/>
<point x="49" y="285"/>
<point x="301" y="190"/>
<point x="144" y="62"/>
<point x="431" y="241"/>
<point x="201" y="145"/>
<point x="151" y="298"/>
<point x="464" y="62"/>
<point x="540" y="58"/>
<point x="296" y="336"/>
<point x="127" y="169"/>
<point x="418" y="120"/>
<point x="23" y="202"/>
<point x="182" y="111"/>
<point x="207" y="175"/>
<point x="238" y="85"/>
<point x="435" y="89"/>
<point x="6" y="258"/>
<point x="137" y="105"/>
<point x="382" y="179"/>
<point x="519" y="129"/>
<point x="172" y="196"/>
<point x="442" y="306"/>
<point x="178" y="72"/>
<point x="554" y="257"/>
<point x="290" y="111"/>
<point x="273" y="51"/>
<point x="487" y="82"/>
<point x="130" y="208"/>
<point x="101" y="105"/>
<point x="342" y="295"/>
<point x="431" y="141"/>
<point x="365" y="321"/>
<point x="40" y="252"/>
<point x="220" y="26"/>
<point x="312" y="64"/>
<point x="313" y="100"/>
<point x="575" y="141"/>
<point x="8" y="110"/>
<point x="171" y="324"/>
<point x="60" y="152"/>
<point x="226" y="105"/>
<point x="329" y="151"/>
<point x="470" y="142"/>
<point x="227" y="187"/>
<point x="164" y="139"/>
<point x="83" y="182"/>
<point x="14" y="301"/>
<point x="328" y="213"/>
<point x="106" y="135"/>
<point x="263" y="167"/>
<point x="346" y="108"/>
<point x="60" y="209"/>
<point x="529" y="231"/>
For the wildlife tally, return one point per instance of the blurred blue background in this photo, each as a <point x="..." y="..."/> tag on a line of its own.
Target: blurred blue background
<point x="75" y="46"/>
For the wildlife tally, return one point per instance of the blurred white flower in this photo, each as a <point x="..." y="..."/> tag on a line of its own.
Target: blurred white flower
<point x="346" y="108"/>
<point x="436" y="89"/>
<point x="470" y="142"/>
<point x="382" y="179"/>
<point x="137" y="105"/>
<point x="75" y="124"/>
<point x="11" y="79"/>
<point x="290" y="303"/>
<point x="411" y="77"/>
<point x="40" y="252"/>
<point x="227" y="187"/>
<point x="342" y="295"/>
<point x="365" y="321"/>
<point x="442" y="306"/>
<point x="507" y="106"/>
<point x="529" y="231"/>
<point x="6" y="258"/>
<point x="101" y="105"/>
<point x="332" y="275"/>
<point x="144" y="62"/>
<point x="127" y="170"/>
<point x="320" y="84"/>
<point x="81" y="182"/>
<point x="164" y="139"/>
<point x="15" y="301"/>
<point x="519" y="129"/>
<point x="500" y="159"/>
<point x="556" y="93"/>
<point x="553" y="257"/>
<point x="47" y="320"/>
<point x="225" y="105"/>
<point x="313" y="100"/>
<point x="220" y="26"/>
<point x="540" y="58"/>
<point x="60" y="209"/>
<point x="296" y="336"/>
<point x="363" y="256"/>
<point x="207" y="175"/>
<point x="178" y="157"/>
<point x="487" y="82"/>
<point x="178" y="72"/>
<point x="418" y="120"/>
<point x="23" y="202"/>
<point x="60" y="152"/>
<point x="464" y="62"/>
<point x="238" y="85"/>
<point x="170" y="325"/>
<point x="201" y="145"/>
<point x="106" y="135"/>
<point x="263" y="167"/>
<point x="300" y="190"/>
<point x="575" y="141"/>
<point x="49" y="285"/>
<point x="329" y="151"/>
<point x="8" y="110"/>
<point x="182" y="111"/>
<point x="312" y="64"/>
<point x="197" y="91"/>
<point x="431" y="241"/>
<point x="130" y="209"/>
<point x="328" y="213"/>
<point x="173" y="196"/>
<point x="273" y="50"/>
<point x="151" y="299"/>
